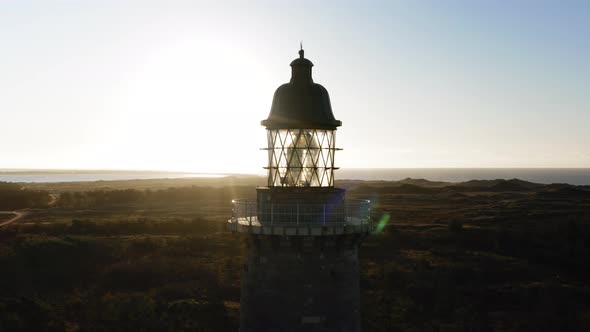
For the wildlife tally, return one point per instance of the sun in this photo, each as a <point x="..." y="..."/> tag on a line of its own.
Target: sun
<point x="194" y="108"/>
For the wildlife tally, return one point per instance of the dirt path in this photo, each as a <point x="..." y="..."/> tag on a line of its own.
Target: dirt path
<point x="17" y="215"/>
<point x="54" y="198"/>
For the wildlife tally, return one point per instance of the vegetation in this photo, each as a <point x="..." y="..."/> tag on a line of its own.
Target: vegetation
<point x="13" y="197"/>
<point x="477" y="256"/>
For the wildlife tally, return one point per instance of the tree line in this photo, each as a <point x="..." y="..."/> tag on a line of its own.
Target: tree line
<point x="101" y="198"/>
<point x="14" y="197"/>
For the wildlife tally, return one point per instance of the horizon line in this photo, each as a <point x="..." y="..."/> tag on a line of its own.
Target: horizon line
<point x="10" y="170"/>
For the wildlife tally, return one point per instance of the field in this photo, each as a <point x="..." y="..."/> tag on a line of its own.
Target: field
<point x="155" y="255"/>
<point x="6" y="216"/>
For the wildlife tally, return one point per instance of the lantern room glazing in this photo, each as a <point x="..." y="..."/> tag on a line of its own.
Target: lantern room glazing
<point x="301" y="157"/>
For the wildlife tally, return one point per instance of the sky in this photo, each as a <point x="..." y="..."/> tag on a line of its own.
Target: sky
<point x="183" y="85"/>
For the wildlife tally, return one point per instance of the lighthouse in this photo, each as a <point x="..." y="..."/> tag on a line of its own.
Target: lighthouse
<point x="300" y="270"/>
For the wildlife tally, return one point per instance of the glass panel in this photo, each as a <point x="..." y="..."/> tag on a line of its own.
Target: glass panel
<point x="301" y="157"/>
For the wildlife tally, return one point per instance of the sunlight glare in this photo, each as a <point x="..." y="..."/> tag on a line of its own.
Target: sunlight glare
<point x="190" y="108"/>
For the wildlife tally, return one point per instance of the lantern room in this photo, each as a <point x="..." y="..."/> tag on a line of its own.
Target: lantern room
<point x="301" y="131"/>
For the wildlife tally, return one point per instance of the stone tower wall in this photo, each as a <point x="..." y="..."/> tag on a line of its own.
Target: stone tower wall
<point x="300" y="283"/>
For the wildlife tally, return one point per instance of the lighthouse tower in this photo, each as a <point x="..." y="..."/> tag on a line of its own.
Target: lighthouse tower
<point x="301" y="269"/>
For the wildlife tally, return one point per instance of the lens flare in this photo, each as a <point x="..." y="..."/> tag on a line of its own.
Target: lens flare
<point x="382" y="223"/>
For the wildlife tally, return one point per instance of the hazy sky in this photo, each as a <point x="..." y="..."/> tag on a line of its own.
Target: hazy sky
<point x="183" y="85"/>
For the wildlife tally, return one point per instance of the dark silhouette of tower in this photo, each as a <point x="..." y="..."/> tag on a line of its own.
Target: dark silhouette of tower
<point x="300" y="269"/>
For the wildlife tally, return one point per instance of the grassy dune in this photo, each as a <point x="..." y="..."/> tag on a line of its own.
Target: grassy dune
<point x="154" y="255"/>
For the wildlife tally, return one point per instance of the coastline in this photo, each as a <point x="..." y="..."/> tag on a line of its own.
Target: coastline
<point x="573" y="176"/>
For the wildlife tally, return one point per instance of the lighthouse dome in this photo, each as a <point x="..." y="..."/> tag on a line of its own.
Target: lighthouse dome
<point x="301" y="103"/>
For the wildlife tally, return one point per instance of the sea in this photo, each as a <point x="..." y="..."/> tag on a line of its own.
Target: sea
<point x="85" y="176"/>
<point x="575" y="176"/>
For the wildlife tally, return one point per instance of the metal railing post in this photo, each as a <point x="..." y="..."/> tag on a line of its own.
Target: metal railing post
<point x="249" y="209"/>
<point x="272" y="213"/>
<point x="297" y="213"/>
<point x="363" y="217"/>
<point x="324" y="213"/>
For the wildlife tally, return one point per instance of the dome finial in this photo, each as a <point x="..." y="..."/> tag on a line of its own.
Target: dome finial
<point x="301" y="49"/>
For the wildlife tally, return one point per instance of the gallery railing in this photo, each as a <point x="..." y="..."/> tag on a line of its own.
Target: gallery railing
<point x="351" y="212"/>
